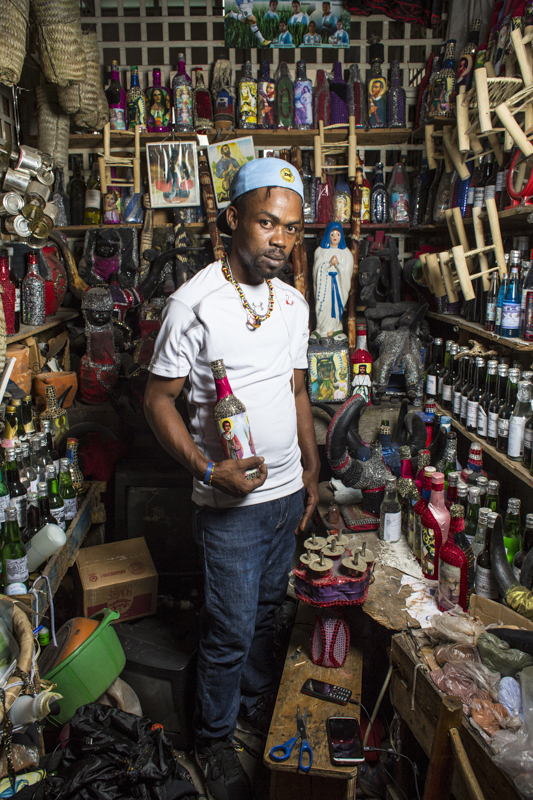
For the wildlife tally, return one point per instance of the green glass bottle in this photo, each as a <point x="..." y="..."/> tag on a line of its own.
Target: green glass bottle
<point x="472" y="513"/>
<point x="45" y="515"/>
<point x="11" y="424"/>
<point x="27" y="416"/>
<point x="14" y="559"/>
<point x="5" y="499"/>
<point x="492" y="499"/>
<point x="16" y="488"/>
<point x="67" y="491"/>
<point x="34" y="518"/>
<point x="93" y="198"/>
<point x="57" y="506"/>
<point x="511" y="529"/>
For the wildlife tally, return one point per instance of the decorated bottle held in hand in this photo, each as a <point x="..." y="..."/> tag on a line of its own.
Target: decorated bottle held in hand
<point x="232" y="420"/>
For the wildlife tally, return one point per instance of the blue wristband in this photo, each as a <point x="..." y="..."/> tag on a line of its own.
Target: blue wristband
<point x="209" y="470"/>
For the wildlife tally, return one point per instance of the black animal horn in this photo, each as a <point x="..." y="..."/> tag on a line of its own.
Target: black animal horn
<point x="346" y="468"/>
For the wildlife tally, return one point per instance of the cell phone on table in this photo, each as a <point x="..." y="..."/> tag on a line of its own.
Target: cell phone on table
<point x="345" y="743"/>
<point x="327" y="691"/>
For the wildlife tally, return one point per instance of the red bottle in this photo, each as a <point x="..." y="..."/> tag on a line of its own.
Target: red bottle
<point x="435" y="526"/>
<point x="456" y="565"/>
<point x="8" y="295"/>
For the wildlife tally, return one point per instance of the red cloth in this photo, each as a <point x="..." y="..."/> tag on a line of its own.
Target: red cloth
<point x="100" y="456"/>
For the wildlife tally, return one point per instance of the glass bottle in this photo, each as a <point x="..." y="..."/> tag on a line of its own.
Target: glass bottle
<point x="420" y="181"/>
<point x="93" y="198"/>
<point x="303" y="99"/>
<point x="11" y="422"/>
<point x="342" y="201"/>
<point x="338" y="95"/>
<point x="486" y="399"/>
<point x="58" y="416"/>
<point x="474" y="396"/>
<point x="182" y="98"/>
<point x="499" y="305"/>
<point x="430" y="97"/>
<point x="390" y="514"/>
<point x="322" y="100"/>
<point x="76" y="190"/>
<point x="17" y="283"/>
<point x="158" y="105"/>
<point x="379" y="198"/>
<point x="510" y="324"/>
<point x="443" y="198"/>
<point x="435" y="526"/>
<point x="450" y="456"/>
<point x="472" y="513"/>
<point x="266" y="95"/>
<point x="479" y="539"/>
<point x="46" y="429"/>
<point x="45" y="515"/>
<point x="432" y="192"/>
<point x="308" y="179"/>
<point x="456" y="565"/>
<point x="377" y="87"/>
<point x="8" y="294"/>
<point x="511" y="529"/>
<point x="247" y="99"/>
<point x="57" y="506"/>
<point x="496" y="404"/>
<point x="528" y="442"/>
<point x="28" y="476"/>
<point x="399" y="194"/>
<point x="223" y="95"/>
<point x="451" y="490"/>
<point x="33" y="518"/>
<point x="36" y="458"/>
<point x="490" y="183"/>
<point x="14" y="559"/>
<point x="361" y="361"/>
<point x="491" y="302"/>
<point x="467" y="388"/>
<point x="463" y="362"/>
<point x="61" y="200"/>
<point x="423" y="91"/>
<point x="116" y="100"/>
<point x="506" y="410"/>
<point x="365" y="197"/>
<point x="449" y="379"/>
<point x="5" y="498"/>
<point x="228" y="412"/>
<point x="486" y="585"/>
<point x="444" y="89"/>
<point x="33" y="294"/>
<point x="67" y="491"/>
<point x="357" y="99"/>
<point x="517" y="423"/>
<point x="17" y="403"/>
<point x="396" y="99"/>
<point x="75" y="472"/>
<point x="135" y="103"/>
<point x="527" y="544"/>
<point x="474" y="180"/>
<point x="433" y="370"/>
<point x="202" y="105"/>
<point x="465" y="67"/>
<point x="407" y="494"/>
<point x="17" y="490"/>
<point x="284" y="102"/>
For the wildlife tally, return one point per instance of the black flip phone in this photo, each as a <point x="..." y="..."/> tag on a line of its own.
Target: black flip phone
<point x="345" y="743"/>
<point x="327" y="691"/>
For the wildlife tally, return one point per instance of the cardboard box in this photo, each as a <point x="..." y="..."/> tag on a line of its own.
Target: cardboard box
<point x="121" y="576"/>
<point x="488" y="611"/>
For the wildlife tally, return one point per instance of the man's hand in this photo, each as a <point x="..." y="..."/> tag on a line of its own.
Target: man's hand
<point x="310" y="480"/>
<point x="229" y="476"/>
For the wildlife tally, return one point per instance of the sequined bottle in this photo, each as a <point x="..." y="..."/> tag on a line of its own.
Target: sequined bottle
<point x="338" y="93"/>
<point x="182" y="98"/>
<point x="231" y="420"/>
<point x="465" y="68"/>
<point x="444" y="88"/>
<point x="116" y="100"/>
<point x="377" y="88"/>
<point x="303" y="99"/>
<point x="33" y="306"/>
<point x="202" y="107"/>
<point x="322" y="102"/>
<point x="309" y="188"/>
<point x="158" y="105"/>
<point x="266" y="94"/>
<point x="395" y="99"/>
<point x="356" y="98"/>
<point x="223" y="96"/>
<point x="8" y="295"/>
<point x="379" y="198"/>
<point x="456" y="565"/>
<point x="135" y="103"/>
<point x="61" y="200"/>
<point x="75" y="472"/>
<point x="57" y="416"/>
<point x="399" y="194"/>
<point x="247" y="99"/>
<point x="284" y="102"/>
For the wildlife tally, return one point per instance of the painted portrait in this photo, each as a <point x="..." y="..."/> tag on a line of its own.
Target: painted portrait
<point x="224" y="160"/>
<point x="173" y="174"/>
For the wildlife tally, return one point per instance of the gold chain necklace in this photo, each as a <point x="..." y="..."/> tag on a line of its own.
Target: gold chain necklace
<point x="254" y="320"/>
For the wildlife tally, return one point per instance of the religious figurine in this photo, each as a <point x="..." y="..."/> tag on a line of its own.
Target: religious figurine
<point x="100" y="364"/>
<point x="332" y="275"/>
<point x="110" y="251"/>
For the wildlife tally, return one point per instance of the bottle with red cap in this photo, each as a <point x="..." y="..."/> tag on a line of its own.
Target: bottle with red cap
<point x="456" y="565"/>
<point x="8" y="294"/>
<point x="435" y="521"/>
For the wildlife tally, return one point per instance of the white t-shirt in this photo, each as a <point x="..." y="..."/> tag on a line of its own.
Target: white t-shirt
<point x="204" y="320"/>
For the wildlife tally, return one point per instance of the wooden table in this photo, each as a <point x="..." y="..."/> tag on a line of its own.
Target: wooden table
<point x="287" y="783"/>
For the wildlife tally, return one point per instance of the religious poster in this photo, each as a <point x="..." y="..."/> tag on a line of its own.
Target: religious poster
<point x="329" y="373"/>
<point x="173" y="174"/>
<point x="224" y="161"/>
<point x="285" y="25"/>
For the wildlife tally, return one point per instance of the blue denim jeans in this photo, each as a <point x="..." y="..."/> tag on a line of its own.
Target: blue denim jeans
<point x="247" y="556"/>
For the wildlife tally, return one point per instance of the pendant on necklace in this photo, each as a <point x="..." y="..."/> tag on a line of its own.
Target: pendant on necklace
<point x="251" y="322"/>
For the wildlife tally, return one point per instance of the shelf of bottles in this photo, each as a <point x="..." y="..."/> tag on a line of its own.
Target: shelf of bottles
<point x="479" y="330"/>
<point x="63" y="315"/>
<point x="515" y="467"/>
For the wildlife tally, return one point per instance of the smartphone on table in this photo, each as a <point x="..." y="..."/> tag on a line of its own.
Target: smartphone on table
<point x="345" y="743"/>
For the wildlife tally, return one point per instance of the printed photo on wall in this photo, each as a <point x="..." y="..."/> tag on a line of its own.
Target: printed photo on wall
<point x="224" y="161"/>
<point x="173" y="174"/>
<point x="286" y="24"/>
<point x="329" y="371"/>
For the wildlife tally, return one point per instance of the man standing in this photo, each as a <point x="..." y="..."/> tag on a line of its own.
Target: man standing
<point x="239" y="311"/>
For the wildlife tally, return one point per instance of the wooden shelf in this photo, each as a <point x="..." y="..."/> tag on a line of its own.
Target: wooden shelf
<point x="78" y="229"/>
<point x="62" y="315"/>
<point x="479" y="330"/>
<point x="515" y="467"/>
<point x="376" y="137"/>
<point x="365" y="226"/>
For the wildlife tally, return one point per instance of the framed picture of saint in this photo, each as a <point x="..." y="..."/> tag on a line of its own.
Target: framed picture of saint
<point x="224" y="160"/>
<point x="173" y="174"/>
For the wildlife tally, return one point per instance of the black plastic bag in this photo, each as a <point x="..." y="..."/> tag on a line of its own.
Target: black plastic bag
<point x="113" y="755"/>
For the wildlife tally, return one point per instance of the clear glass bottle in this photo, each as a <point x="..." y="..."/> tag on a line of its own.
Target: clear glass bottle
<point x="158" y="105"/>
<point x="26" y="471"/>
<point x="379" y="198"/>
<point x="499" y="304"/>
<point x="57" y="506"/>
<point x="116" y="100"/>
<point x="303" y="99"/>
<point x="433" y="369"/>
<point x="309" y="188"/>
<point x="45" y="515"/>
<point x="16" y="488"/>
<point x="444" y="197"/>
<point x="357" y="99"/>
<point x="67" y="491"/>
<point x="390" y="513"/>
<point x="449" y="379"/>
<point x="492" y="499"/>
<point x="36" y="458"/>
<point x="182" y="98"/>
<point x="474" y="396"/>
<point x="377" y="87"/>
<point x="491" y="303"/>
<point x="14" y="559"/>
<point x="247" y="92"/>
<point x="472" y="513"/>
<point x="46" y="428"/>
<point x="33" y="518"/>
<point x="135" y="103"/>
<point x="511" y="529"/>
<point x="486" y="585"/>
<point x="478" y="541"/>
<point x="399" y="194"/>
<point x="93" y="198"/>
<point x="495" y="404"/>
<point x="33" y="294"/>
<point x="421" y="177"/>
<point x="510" y="324"/>
<point x="76" y="190"/>
<point x="521" y="413"/>
<point x="266" y="95"/>
<point x="228" y="412"/>
<point x="505" y="413"/>
<point x="450" y="456"/>
<point x="396" y="99"/>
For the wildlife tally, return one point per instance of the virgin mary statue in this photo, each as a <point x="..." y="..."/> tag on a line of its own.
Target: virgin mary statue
<point x="332" y="276"/>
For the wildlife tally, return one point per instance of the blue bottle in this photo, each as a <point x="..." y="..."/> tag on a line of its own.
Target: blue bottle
<point x="510" y="325"/>
<point x="501" y="294"/>
<point x="461" y="191"/>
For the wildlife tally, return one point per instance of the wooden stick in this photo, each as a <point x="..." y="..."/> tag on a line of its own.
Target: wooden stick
<point x="521" y="55"/>
<point x="480" y="241"/>
<point x="472" y="784"/>
<point x="463" y="121"/>
<point x="494" y="222"/>
<point x="137" y="161"/>
<point x="430" y="146"/>
<point x="451" y="226"/>
<point x="463" y="272"/>
<point x="440" y="771"/>
<point x="475" y="143"/>
<point x="299" y="253"/>
<point x="461" y="233"/>
<point x="455" y="155"/>
<point x="208" y="195"/>
<point x="427" y="277"/>
<point x="483" y="102"/>
<point x="514" y="129"/>
<point x="496" y="146"/>
<point x="446" y="270"/>
<point x="355" y="223"/>
<point x="439" y="289"/>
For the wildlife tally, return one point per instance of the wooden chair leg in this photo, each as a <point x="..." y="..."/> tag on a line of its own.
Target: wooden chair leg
<point x="483" y="102"/>
<point x="463" y="273"/>
<point x="451" y="226"/>
<point x="494" y="223"/>
<point x="439" y="290"/>
<point x="513" y="128"/>
<point x="440" y="772"/>
<point x="480" y="242"/>
<point x="447" y="274"/>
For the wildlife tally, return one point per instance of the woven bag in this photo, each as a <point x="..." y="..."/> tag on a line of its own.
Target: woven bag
<point x="13" y="24"/>
<point x="54" y="125"/>
<point x="58" y="24"/>
<point x="93" y="112"/>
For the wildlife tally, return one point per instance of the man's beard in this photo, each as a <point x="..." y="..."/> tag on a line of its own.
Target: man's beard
<point x="264" y="272"/>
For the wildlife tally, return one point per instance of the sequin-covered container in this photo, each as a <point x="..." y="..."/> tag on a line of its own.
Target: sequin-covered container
<point x="33" y="308"/>
<point x="395" y="99"/>
<point x="8" y="295"/>
<point x="75" y="472"/>
<point x="356" y="98"/>
<point x="337" y="91"/>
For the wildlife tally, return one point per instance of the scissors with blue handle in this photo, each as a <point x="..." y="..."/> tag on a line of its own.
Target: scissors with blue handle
<point x="282" y="752"/>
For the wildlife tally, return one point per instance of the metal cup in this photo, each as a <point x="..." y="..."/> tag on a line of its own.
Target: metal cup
<point x="16" y="180"/>
<point x="29" y="159"/>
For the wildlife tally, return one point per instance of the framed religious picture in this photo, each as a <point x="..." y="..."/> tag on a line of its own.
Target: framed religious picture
<point x="329" y="370"/>
<point x="173" y="174"/>
<point x="286" y="24"/>
<point x="224" y="161"/>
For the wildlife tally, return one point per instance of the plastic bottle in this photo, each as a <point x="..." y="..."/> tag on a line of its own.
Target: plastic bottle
<point x="26" y="709"/>
<point x="44" y="544"/>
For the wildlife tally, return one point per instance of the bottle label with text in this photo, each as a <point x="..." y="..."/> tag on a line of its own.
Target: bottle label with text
<point x="392" y="526"/>
<point x="485" y="584"/>
<point x="515" y="446"/>
<point x="492" y="425"/>
<point x="447" y="392"/>
<point x="481" y="422"/>
<point x="471" y="413"/>
<point x="431" y="385"/>
<point x="16" y="570"/>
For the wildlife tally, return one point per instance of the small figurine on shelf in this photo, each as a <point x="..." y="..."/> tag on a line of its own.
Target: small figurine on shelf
<point x="332" y="275"/>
